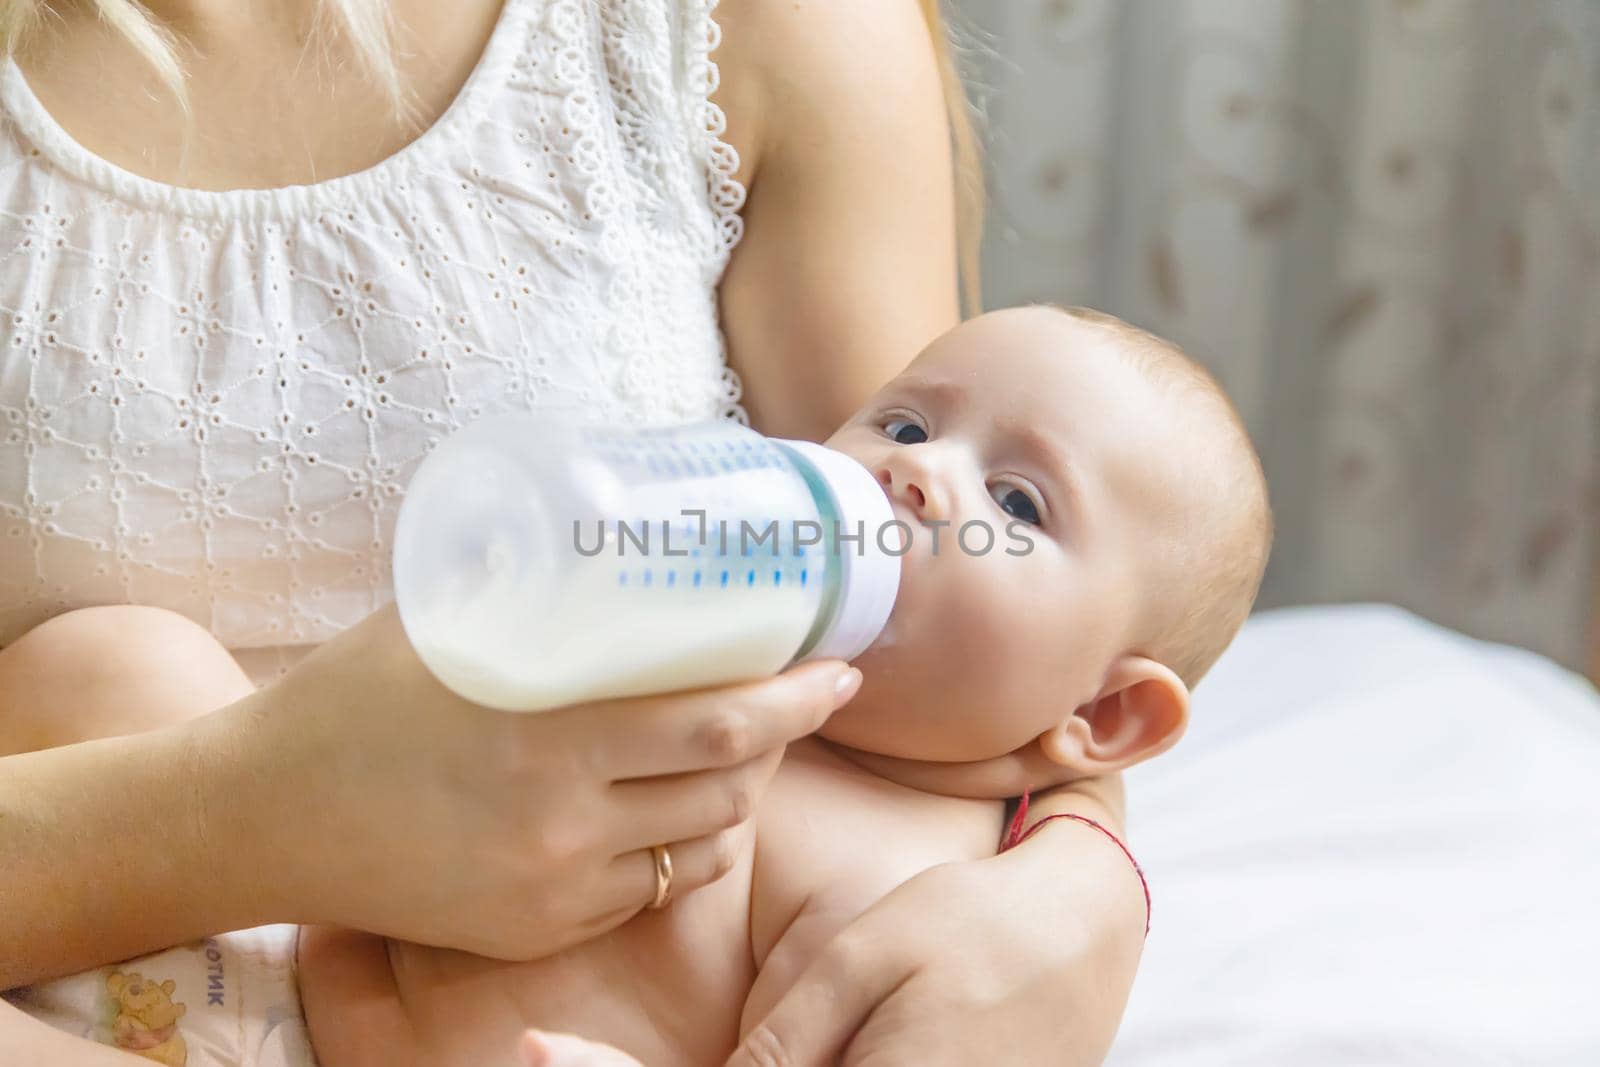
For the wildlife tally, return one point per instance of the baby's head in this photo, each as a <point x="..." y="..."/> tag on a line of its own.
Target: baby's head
<point x="1129" y="526"/>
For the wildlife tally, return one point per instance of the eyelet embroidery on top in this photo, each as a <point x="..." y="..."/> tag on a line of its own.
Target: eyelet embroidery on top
<point x="211" y="402"/>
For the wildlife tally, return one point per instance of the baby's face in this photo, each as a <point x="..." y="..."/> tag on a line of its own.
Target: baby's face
<point x="1021" y="427"/>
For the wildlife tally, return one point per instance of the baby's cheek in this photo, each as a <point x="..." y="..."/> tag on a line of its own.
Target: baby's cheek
<point x="988" y="603"/>
<point x="961" y="671"/>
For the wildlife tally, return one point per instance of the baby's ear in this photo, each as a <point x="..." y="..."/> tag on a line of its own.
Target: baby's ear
<point x="1141" y="711"/>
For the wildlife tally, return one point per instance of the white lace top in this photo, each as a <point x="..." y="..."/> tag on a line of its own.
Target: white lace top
<point x="211" y="401"/>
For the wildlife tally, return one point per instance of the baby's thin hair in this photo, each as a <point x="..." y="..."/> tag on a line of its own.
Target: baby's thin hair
<point x="1220" y="558"/>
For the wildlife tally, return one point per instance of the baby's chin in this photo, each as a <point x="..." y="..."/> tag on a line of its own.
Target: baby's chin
<point x="894" y="713"/>
<point x="861" y="731"/>
<point x="889" y="717"/>
<point x="906" y="736"/>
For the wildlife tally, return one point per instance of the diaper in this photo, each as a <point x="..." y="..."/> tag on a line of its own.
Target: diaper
<point x="226" y="1001"/>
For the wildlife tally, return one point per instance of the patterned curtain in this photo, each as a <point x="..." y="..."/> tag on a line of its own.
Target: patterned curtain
<point x="1378" y="222"/>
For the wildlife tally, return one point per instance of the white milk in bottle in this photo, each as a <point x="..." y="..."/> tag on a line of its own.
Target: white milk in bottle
<point x="541" y="563"/>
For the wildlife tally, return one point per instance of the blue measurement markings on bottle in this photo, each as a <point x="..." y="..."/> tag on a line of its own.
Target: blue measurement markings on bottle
<point x="705" y="552"/>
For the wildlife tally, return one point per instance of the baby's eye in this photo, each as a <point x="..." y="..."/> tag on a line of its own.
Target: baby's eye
<point x="905" y="432"/>
<point x="1015" y="502"/>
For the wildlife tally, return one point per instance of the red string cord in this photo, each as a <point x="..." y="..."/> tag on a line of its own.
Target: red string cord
<point x="1016" y="836"/>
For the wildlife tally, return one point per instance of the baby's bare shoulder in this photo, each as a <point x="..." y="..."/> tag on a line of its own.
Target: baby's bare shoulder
<point x="832" y="839"/>
<point x="830" y="833"/>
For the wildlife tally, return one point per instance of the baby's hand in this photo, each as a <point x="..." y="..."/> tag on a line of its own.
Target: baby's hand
<point x="540" y="1049"/>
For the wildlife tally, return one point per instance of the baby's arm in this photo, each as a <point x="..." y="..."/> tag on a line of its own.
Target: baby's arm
<point x="831" y="841"/>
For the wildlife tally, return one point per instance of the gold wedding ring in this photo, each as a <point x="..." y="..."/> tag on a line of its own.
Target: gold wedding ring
<point x="663" y="860"/>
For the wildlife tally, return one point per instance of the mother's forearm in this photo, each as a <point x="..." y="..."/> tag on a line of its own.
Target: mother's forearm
<point x="1103" y="799"/>
<point x="108" y="849"/>
<point x="1071" y="847"/>
<point x="1069" y="860"/>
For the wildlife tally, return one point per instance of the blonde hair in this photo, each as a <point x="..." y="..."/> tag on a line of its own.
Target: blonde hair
<point x="968" y="152"/>
<point x="364" y="24"/>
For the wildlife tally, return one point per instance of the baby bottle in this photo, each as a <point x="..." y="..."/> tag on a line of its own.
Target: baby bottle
<point x="540" y="563"/>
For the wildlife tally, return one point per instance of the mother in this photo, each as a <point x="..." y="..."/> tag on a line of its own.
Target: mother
<point x="233" y="328"/>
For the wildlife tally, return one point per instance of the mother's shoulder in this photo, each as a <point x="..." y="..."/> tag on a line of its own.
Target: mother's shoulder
<point x="788" y="66"/>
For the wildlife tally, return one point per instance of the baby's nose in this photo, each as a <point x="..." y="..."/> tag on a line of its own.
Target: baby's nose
<point x="906" y="486"/>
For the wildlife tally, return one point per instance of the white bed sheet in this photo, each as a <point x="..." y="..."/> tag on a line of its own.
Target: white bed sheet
<point x="1378" y="844"/>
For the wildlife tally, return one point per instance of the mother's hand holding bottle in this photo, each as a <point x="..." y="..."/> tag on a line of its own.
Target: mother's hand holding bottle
<point x="514" y="835"/>
<point x="393" y="805"/>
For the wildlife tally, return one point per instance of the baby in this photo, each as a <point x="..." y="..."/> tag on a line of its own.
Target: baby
<point x="1002" y="669"/>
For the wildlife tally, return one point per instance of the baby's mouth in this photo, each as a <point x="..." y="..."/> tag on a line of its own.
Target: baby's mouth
<point x="902" y="538"/>
<point x="899" y="536"/>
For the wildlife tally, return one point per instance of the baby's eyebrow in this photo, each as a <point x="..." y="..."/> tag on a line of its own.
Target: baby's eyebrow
<point x="1055" y="461"/>
<point x="941" y="390"/>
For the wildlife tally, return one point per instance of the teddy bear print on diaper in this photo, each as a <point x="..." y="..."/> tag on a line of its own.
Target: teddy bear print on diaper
<point x="144" y="1018"/>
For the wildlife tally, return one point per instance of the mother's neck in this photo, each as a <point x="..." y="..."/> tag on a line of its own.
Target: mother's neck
<point x="197" y="18"/>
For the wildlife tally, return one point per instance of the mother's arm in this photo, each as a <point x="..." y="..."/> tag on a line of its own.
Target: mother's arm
<point x="848" y="263"/>
<point x="847" y="268"/>
<point x="1031" y="952"/>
